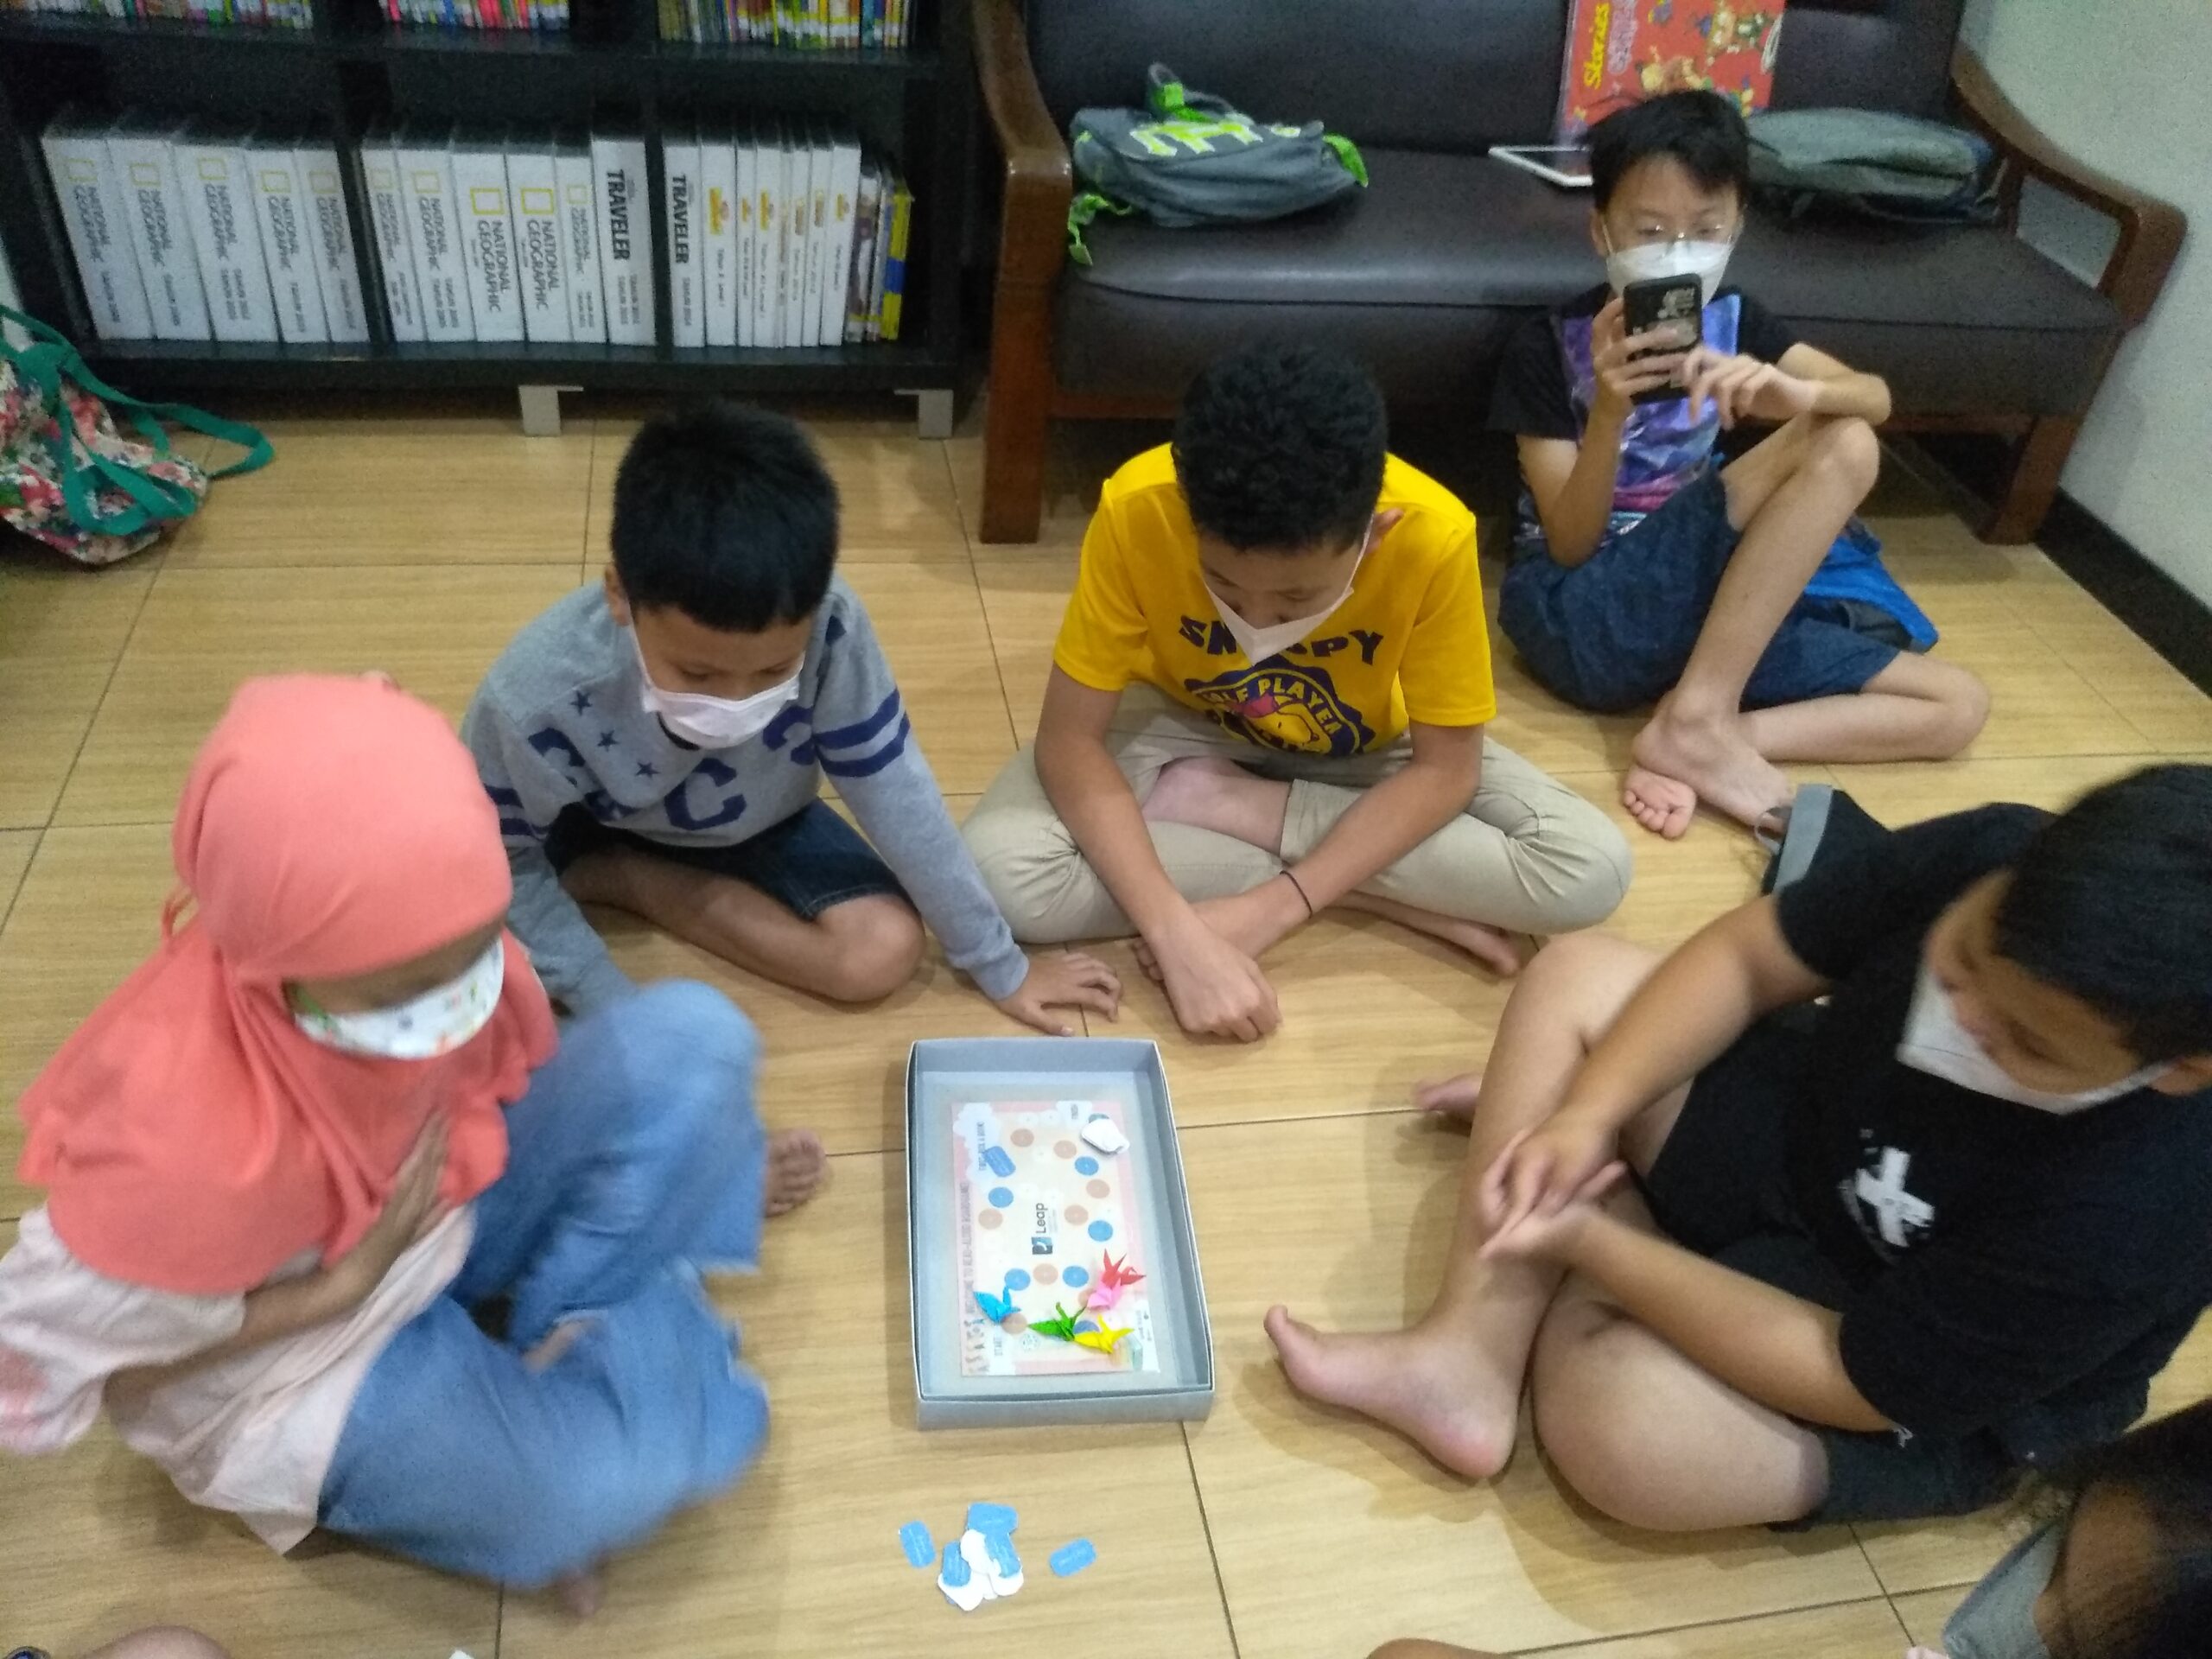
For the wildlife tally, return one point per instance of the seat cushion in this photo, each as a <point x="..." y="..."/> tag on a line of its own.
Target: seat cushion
<point x="1425" y="272"/>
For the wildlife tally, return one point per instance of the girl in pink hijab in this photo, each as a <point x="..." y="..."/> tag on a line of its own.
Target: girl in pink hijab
<point x="293" y="1158"/>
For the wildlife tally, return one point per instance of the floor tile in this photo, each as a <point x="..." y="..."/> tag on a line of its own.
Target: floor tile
<point x="1909" y="791"/>
<point x="1854" y="1629"/>
<point x="1549" y="732"/>
<point x="1024" y="598"/>
<point x="2188" y="1377"/>
<point x="841" y="1070"/>
<point x="802" y="1559"/>
<point x="1925" y="1614"/>
<point x="1369" y="1009"/>
<point x="1332" y="1534"/>
<point x="896" y="504"/>
<point x="16" y="846"/>
<point x="2038" y="705"/>
<point x="930" y="617"/>
<point x="1931" y="1554"/>
<point x="2153" y="695"/>
<point x="436" y="631"/>
<point x="1679" y="886"/>
<point x="61" y="632"/>
<point x="454" y="490"/>
<point x="89" y="910"/>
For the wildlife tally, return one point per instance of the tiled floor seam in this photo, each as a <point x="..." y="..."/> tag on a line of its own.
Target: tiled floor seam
<point x="1715" y="1624"/>
<point x="38" y="833"/>
<point x="1205" y="1523"/>
<point x="160" y="566"/>
<point x="2058" y="651"/>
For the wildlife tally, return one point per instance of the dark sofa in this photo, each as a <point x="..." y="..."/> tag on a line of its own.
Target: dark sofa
<point x="1424" y="273"/>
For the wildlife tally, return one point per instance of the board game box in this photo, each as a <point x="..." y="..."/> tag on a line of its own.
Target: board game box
<point x="1619" y="52"/>
<point x="1053" y="1270"/>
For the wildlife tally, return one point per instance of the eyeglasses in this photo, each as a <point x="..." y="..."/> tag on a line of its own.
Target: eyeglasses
<point x="1659" y="236"/>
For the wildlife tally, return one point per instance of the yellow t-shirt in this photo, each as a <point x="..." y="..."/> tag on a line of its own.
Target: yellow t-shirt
<point x="1409" y="643"/>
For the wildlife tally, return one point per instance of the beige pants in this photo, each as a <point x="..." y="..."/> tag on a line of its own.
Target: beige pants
<point x="1528" y="854"/>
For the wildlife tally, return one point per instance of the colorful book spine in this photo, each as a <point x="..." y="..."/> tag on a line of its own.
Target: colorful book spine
<point x="894" y="265"/>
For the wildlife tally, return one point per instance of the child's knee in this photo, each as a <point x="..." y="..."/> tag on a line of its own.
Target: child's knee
<point x="1965" y="703"/>
<point x="693" y="1019"/>
<point x="165" y="1641"/>
<point x="1589" y="865"/>
<point x="1848" y="450"/>
<point x="878" y="945"/>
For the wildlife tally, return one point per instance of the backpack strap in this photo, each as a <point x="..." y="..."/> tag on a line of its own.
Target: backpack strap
<point x="45" y="364"/>
<point x="1086" y="206"/>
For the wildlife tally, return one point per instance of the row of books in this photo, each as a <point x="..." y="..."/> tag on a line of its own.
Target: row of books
<point x="283" y="14"/>
<point x="542" y="15"/>
<point x="806" y="25"/>
<point x="187" y="232"/>
<point x="779" y="236"/>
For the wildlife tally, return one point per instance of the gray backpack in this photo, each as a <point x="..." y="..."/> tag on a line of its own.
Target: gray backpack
<point x="1190" y="159"/>
<point x="1874" y="163"/>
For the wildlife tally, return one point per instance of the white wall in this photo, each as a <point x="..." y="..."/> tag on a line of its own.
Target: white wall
<point x="2121" y="85"/>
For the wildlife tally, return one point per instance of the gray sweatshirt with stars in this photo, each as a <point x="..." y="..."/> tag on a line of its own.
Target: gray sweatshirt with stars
<point x="559" y="722"/>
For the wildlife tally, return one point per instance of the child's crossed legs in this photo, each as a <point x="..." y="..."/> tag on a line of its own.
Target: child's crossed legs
<point x="1642" y="1433"/>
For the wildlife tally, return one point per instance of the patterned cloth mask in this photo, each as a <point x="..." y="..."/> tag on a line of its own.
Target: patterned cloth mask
<point x="434" y="1023"/>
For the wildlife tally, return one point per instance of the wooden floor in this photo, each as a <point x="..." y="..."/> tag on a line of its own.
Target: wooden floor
<point x="419" y="543"/>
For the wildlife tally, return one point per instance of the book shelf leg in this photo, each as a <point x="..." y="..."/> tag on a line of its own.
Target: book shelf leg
<point x="541" y="411"/>
<point x="932" y="414"/>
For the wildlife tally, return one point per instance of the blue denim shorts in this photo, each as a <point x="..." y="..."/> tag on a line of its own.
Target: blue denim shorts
<point x="1616" y="631"/>
<point x="809" y="862"/>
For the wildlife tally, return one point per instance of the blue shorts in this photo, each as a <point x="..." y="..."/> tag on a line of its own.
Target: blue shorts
<point x="810" y="861"/>
<point x="1616" y="631"/>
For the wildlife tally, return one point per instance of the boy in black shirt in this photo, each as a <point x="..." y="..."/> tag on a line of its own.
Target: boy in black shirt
<point x="1645" y="569"/>
<point x="1884" y="1252"/>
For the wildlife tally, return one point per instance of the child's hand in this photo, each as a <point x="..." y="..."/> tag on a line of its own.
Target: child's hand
<point x="1065" y="979"/>
<point x="1621" y="372"/>
<point x="1541" y="1235"/>
<point x="1743" y="387"/>
<point x="1215" y="990"/>
<point x="1541" y="1170"/>
<point x="411" y="1211"/>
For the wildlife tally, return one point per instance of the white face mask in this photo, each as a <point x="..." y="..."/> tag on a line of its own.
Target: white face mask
<point x="1259" y="643"/>
<point x="711" y="722"/>
<point x="1935" y="1042"/>
<point x="1704" y="260"/>
<point x="434" y="1023"/>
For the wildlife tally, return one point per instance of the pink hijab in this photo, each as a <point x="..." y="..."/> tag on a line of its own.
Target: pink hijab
<point x="190" y="1137"/>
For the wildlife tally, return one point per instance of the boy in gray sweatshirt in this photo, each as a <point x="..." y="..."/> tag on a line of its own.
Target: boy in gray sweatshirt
<point x="657" y="744"/>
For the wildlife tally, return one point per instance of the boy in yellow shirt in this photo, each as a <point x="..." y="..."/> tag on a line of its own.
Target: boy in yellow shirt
<point x="1267" y="698"/>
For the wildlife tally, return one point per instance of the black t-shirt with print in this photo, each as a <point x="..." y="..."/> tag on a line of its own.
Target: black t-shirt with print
<point x="2011" y="1268"/>
<point x="1532" y="395"/>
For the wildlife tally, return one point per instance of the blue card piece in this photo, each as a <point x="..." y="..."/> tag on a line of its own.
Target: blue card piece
<point x="992" y="1519"/>
<point x="1002" y="1556"/>
<point x="914" y="1539"/>
<point x="1001" y="1166"/>
<point x="1070" y="1559"/>
<point x="955" y="1568"/>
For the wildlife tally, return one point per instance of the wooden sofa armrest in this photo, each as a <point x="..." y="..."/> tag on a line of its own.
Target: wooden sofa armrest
<point x="2151" y="231"/>
<point x="1039" y="178"/>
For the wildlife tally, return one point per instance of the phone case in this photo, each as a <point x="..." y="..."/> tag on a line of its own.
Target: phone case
<point x="1662" y="299"/>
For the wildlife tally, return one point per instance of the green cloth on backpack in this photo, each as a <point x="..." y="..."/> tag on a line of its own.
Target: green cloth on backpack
<point x="1188" y="158"/>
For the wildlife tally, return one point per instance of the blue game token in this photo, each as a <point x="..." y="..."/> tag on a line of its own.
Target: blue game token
<point x="1070" y="1559"/>
<point x="1075" y="1278"/>
<point x="1001" y="1197"/>
<point x="1102" y="1230"/>
<point x="956" y="1567"/>
<point x="914" y="1539"/>
<point x="1001" y="1166"/>
<point x="988" y="1518"/>
<point x="1086" y="1166"/>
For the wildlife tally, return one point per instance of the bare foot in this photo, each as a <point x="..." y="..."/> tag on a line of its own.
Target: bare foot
<point x="1497" y="950"/>
<point x="1662" y="805"/>
<point x="1452" y="1097"/>
<point x="796" y="1167"/>
<point x="1715" y="760"/>
<point x="580" y="1592"/>
<point x="1185" y="789"/>
<point x="1430" y="1390"/>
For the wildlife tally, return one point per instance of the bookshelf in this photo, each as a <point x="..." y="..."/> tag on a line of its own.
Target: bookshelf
<point x="352" y="68"/>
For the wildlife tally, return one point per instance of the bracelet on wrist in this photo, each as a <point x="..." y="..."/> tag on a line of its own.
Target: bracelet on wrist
<point x="1291" y="876"/>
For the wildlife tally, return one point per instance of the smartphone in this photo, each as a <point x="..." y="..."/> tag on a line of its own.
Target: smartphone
<point x="1676" y="303"/>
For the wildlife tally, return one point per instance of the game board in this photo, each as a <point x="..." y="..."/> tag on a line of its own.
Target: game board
<point x="1038" y="1212"/>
